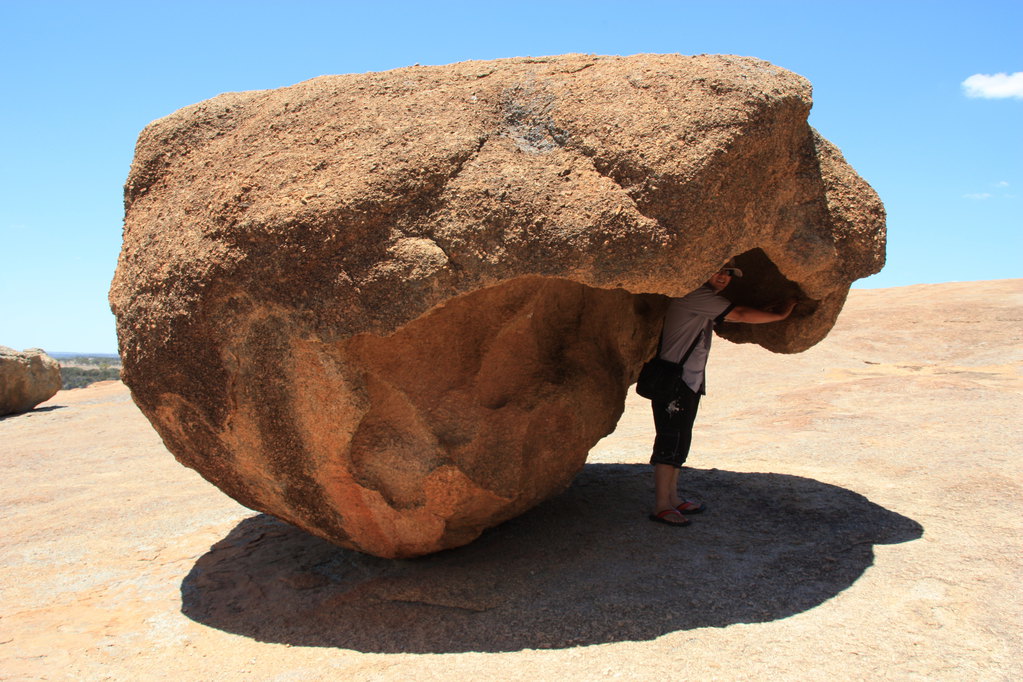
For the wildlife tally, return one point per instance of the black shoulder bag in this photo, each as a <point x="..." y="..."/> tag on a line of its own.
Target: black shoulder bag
<point x="659" y="379"/>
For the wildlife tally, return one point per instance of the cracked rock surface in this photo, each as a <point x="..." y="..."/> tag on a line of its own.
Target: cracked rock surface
<point x="398" y="308"/>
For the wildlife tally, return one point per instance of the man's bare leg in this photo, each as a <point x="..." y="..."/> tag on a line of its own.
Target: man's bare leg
<point x="666" y="491"/>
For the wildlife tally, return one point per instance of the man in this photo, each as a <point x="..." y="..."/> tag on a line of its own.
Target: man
<point x="688" y="329"/>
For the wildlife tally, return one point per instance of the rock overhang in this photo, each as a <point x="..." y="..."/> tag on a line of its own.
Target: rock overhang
<point x="300" y="229"/>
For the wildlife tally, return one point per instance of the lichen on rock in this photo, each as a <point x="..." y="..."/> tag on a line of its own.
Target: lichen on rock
<point x="398" y="308"/>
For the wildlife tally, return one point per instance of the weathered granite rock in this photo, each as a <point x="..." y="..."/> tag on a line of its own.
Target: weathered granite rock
<point x="27" y="378"/>
<point x="398" y="308"/>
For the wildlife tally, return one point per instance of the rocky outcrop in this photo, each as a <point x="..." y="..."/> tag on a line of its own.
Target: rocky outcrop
<point x="27" y="378"/>
<point x="398" y="308"/>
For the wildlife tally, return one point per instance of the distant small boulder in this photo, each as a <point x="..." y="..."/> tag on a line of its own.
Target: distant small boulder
<point x="27" y="378"/>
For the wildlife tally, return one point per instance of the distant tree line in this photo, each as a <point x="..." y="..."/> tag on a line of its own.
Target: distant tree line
<point x="80" y="377"/>
<point x="102" y="361"/>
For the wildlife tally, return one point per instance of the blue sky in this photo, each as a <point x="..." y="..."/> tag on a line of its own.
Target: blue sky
<point x="81" y="79"/>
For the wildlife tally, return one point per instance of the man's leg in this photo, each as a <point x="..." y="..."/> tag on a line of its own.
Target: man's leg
<point x="666" y="487"/>
<point x="674" y="426"/>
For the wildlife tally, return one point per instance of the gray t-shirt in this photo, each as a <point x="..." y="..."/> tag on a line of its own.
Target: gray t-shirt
<point x="687" y="318"/>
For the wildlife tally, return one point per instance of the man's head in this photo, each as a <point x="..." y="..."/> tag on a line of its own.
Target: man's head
<point x="723" y="277"/>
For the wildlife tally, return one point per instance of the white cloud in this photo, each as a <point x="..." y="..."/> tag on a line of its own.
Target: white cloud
<point x="996" y="86"/>
<point x="980" y="196"/>
<point x="1002" y="183"/>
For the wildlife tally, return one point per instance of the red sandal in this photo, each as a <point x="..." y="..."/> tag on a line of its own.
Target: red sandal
<point x="662" y="517"/>
<point x="691" y="507"/>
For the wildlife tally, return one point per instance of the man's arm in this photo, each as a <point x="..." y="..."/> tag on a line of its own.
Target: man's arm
<point x="741" y="313"/>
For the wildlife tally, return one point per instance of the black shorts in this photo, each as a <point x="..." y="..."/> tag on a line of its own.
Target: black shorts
<point x="674" y="425"/>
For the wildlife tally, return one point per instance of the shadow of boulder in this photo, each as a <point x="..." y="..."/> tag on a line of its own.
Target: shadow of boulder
<point x="584" y="568"/>
<point x="34" y="410"/>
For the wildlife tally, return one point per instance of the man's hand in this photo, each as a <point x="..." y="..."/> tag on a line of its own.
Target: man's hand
<point x="741" y="313"/>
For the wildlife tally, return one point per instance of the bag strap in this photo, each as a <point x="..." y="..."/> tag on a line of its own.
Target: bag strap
<point x="692" y="347"/>
<point x="681" y="363"/>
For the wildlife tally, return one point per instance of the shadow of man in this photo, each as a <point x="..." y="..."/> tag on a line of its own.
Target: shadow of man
<point x="583" y="568"/>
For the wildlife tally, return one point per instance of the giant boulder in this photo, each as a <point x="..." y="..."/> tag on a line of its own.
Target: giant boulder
<point x="398" y="308"/>
<point x="27" y="378"/>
